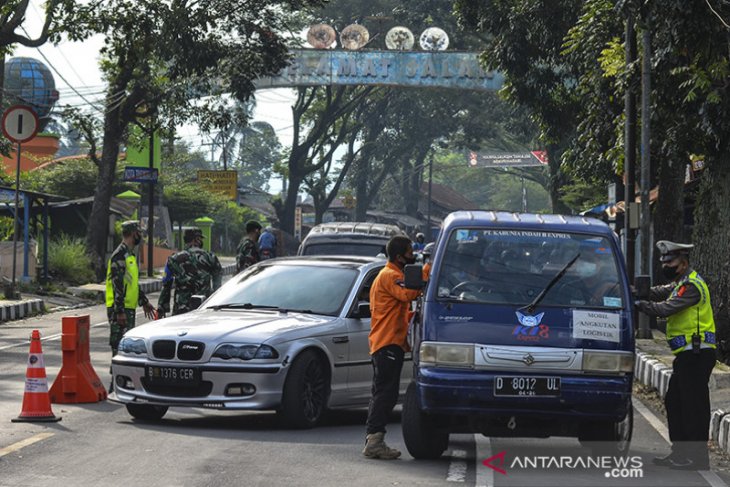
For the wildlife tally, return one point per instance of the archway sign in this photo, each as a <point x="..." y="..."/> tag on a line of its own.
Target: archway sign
<point x="20" y="124"/>
<point x="444" y="69"/>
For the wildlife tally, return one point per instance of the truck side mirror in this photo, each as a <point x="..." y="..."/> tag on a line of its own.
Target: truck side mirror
<point x="363" y="310"/>
<point x="642" y="285"/>
<point x="414" y="276"/>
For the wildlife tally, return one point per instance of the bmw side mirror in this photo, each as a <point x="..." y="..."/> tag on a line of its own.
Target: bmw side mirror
<point x="414" y="276"/>
<point x="196" y="300"/>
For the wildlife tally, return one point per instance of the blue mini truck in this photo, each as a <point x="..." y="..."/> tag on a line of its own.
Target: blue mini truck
<point x="525" y="329"/>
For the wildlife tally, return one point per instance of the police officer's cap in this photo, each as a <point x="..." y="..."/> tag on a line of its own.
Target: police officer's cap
<point x="130" y="226"/>
<point x="192" y="233"/>
<point x="672" y="250"/>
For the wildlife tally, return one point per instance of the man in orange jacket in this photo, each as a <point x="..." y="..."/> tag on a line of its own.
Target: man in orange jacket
<point x="389" y="306"/>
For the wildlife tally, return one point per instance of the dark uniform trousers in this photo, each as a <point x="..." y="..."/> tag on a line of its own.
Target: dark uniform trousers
<point x="387" y="365"/>
<point x="688" y="403"/>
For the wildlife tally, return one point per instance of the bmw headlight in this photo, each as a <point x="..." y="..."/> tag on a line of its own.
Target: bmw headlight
<point x="447" y="354"/>
<point x="133" y="345"/>
<point x="608" y="362"/>
<point x="245" y="352"/>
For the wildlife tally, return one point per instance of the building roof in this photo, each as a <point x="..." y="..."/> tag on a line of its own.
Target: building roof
<point x="446" y="197"/>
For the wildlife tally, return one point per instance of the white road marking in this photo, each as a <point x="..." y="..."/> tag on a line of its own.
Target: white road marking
<point x="57" y="336"/>
<point x="655" y="422"/>
<point x="710" y="477"/>
<point x="485" y="475"/>
<point x="457" y="467"/>
<point x="22" y="444"/>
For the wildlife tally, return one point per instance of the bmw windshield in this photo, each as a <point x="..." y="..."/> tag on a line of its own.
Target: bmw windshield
<point x="290" y="287"/>
<point x="514" y="267"/>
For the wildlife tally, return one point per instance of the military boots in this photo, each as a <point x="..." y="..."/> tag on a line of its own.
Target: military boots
<point x="375" y="447"/>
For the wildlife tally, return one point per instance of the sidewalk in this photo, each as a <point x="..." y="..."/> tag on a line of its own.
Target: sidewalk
<point x="30" y="305"/>
<point x="653" y="368"/>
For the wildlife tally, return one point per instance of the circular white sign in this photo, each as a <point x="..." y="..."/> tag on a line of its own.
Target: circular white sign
<point x="20" y="123"/>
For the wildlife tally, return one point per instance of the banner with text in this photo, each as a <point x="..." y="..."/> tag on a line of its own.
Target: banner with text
<point x="393" y="68"/>
<point x="520" y="159"/>
<point x="223" y="182"/>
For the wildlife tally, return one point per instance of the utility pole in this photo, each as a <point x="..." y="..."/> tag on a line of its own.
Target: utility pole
<point x="151" y="209"/>
<point x="630" y="152"/>
<point x="644" y="328"/>
<point x="430" y="182"/>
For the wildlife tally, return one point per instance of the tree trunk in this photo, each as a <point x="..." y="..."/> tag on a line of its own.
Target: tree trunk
<point x="556" y="180"/>
<point x="668" y="215"/>
<point x="98" y="230"/>
<point x="710" y="256"/>
<point x="286" y="215"/>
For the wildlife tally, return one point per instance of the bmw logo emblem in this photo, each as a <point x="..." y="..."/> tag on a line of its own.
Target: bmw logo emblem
<point x="182" y="333"/>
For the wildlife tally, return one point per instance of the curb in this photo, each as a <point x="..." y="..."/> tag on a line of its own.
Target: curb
<point x="11" y="312"/>
<point x="653" y="373"/>
<point x="151" y="285"/>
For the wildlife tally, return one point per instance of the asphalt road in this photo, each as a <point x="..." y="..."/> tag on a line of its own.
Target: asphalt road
<point x="100" y="443"/>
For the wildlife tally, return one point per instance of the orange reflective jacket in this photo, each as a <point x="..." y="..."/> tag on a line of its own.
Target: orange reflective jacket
<point x="389" y="305"/>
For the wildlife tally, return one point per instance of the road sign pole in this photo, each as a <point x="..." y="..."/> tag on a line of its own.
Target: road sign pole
<point x="151" y="212"/>
<point x="15" y="223"/>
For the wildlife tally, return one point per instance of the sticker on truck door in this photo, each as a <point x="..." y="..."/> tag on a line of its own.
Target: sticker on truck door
<point x="596" y="325"/>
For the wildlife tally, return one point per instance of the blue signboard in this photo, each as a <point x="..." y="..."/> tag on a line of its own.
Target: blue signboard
<point x="442" y="69"/>
<point x="136" y="174"/>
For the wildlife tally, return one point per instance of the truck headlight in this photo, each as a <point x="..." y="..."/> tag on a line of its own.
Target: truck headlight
<point x="133" y="345"/>
<point x="446" y="354"/>
<point x="607" y="362"/>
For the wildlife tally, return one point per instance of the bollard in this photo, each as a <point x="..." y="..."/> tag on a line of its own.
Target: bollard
<point x="77" y="381"/>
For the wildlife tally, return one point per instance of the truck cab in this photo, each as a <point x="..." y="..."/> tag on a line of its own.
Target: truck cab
<point x="525" y="329"/>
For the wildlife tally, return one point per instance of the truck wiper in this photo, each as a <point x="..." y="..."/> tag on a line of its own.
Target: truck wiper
<point x="242" y="306"/>
<point x="531" y="307"/>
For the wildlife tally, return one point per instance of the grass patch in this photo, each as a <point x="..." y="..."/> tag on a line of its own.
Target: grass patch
<point x="68" y="260"/>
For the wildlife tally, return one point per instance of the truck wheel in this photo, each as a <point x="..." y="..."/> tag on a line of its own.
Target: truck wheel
<point x="423" y="440"/>
<point x="146" y="411"/>
<point x="306" y="390"/>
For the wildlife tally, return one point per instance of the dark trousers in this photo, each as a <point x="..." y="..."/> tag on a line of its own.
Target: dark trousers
<point x="387" y="365"/>
<point x="688" y="403"/>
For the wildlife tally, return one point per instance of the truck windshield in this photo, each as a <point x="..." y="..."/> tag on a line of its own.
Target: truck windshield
<point x="514" y="266"/>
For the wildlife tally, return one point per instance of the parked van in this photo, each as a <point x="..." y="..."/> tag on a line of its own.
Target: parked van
<point x="348" y="238"/>
<point x="525" y="330"/>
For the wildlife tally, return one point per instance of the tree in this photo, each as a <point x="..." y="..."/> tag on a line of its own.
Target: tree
<point x="158" y="56"/>
<point x="525" y="42"/>
<point x="259" y="150"/>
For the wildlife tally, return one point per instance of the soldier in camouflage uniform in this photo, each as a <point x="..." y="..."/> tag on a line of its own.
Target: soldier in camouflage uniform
<point x="247" y="253"/>
<point x="192" y="271"/>
<point x="123" y="294"/>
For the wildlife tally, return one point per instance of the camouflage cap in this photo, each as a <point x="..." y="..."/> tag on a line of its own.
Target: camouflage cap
<point x="130" y="226"/>
<point x="192" y="233"/>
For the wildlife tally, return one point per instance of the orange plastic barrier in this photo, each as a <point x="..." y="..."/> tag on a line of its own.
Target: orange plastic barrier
<point x="77" y="381"/>
<point x="36" y="403"/>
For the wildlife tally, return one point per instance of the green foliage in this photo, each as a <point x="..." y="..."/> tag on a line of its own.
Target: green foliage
<point x="6" y="228"/>
<point x="230" y="220"/>
<point x="68" y="260"/>
<point x="72" y="178"/>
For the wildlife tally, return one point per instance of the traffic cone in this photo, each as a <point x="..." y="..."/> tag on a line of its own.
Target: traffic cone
<point x="36" y="402"/>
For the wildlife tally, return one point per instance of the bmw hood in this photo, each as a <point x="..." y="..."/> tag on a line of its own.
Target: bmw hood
<point x="251" y="326"/>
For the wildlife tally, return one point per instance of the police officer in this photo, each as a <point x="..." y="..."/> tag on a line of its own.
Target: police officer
<point x="685" y="302"/>
<point x="123" y="294"/>
<point x="192" y="271"/>
<point x="247" y="253"/>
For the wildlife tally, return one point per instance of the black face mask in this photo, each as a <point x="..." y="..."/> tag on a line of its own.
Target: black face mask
<point x="137" y="239"/>
<point x="670" y="273"/>
<point x="409" y="260"/>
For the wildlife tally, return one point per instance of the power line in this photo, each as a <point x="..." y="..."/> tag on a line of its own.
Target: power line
<point x="59" y="74"/>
